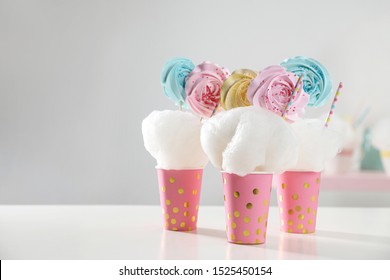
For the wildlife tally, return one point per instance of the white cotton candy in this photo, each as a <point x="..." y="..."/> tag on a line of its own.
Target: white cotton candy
<point x="173" y="139"/>
<point x="249" y="139"/>
<point x="317" y="144"/>
<point x="381" y="135"/>
<point x="350" y="137"/>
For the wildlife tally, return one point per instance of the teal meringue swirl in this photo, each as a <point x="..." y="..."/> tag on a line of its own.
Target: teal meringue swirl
<point x="316" y="79"/>
<point x="173" y="79"/>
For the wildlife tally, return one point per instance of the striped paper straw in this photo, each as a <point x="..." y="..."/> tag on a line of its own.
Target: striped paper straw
<point x="333" y="104"/>
<point x="290" y="101"/>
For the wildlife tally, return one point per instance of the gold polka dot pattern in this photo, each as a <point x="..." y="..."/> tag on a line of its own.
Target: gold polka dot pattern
<point x="297" y="193"/>
<point x="246" y="202"/>
<point x="179" y="197"/>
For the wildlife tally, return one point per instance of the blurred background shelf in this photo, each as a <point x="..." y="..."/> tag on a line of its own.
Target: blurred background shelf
<point x="354" y="189"/>
<point x="356" y="181"/>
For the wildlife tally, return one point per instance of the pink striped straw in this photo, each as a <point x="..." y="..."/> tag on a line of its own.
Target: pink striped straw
<point x="290" y="101"/>
<point x="333" y="104"/>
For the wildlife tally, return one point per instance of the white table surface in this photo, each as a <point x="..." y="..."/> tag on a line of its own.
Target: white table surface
<point x="135" y="232"/>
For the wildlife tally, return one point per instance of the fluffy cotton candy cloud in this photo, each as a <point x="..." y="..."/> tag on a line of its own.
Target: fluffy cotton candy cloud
<point x="248" y="139"/>
<point x="173" y="139"/>
<point x="381" y="135"/>
<point x="316" y="144"/>
<point x="351" y="138"/>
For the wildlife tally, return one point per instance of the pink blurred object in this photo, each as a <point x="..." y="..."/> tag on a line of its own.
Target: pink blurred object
<point x="246" y="206"/>
<point x="297" y="194"/>
<point x="179" y="197"/>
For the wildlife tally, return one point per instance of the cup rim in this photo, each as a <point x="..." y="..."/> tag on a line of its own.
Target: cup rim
<point x="301" y="171"/>
<point x="251" y="173"/>
<point x="185" y="169"/>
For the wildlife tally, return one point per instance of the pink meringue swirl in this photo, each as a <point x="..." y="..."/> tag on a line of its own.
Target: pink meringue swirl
<point x="203" y="87"/>
<point x="271" y="89"/>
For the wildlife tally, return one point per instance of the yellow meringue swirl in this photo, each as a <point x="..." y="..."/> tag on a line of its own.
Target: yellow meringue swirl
<point x="234" y="88"/>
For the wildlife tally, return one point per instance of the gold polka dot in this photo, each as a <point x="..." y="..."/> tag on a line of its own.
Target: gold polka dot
<point x="301" y="216"/>
<point x="298" y="208"/>
<point x="224" y="181"/>
<point x="234" y="225"/>
<point x="163" y="188"/>
<point x="247" y="220"/>
<point x="310" y="221"/>
<point x="265" y="216"/>
<point x="313" y="198"/>
<point x="239" y="242"/>
<point x="280" y="198"/>
<point x="175" y="228"/>
<point x="304" y="231"/>
<point x="185" y="213"/>
<point x="175" y="210"/>
<point x="290" y="212"/>
<point x="167" y="216"/>
<point x="265" y="235"/>
<point x="300" y="226"/>
<point x="236" y="194"/>
<point x="295" y="196"/>
<point x="172" y="180"/>
<point x="290" y="230"/>
<point x="189" y="228"/>
<point x="282" y="222"/>
<point x="232" y="237"/>
<point x="290" y="223"/>
<point x="173" y="221"/>
<point x="198" y="176"/>
<point x="167" y="202"/>
<point x="194" y="192"/>
<point x="236" y="214"/>
<point x="265" y="202"/>
<point x="308" y="210"/>
<point x="166" y="224"/>
<point x="186" y="204"/>
<point x="257" y="241"/>
<point x="182" y="224"/>
<point x="249" y="205"/>
<point x="258" y="231"/>
<point x="283" y="185"/>
<point x="228" y="216"/>
<point x="314" y="212"/>
<point x="224" y="198"/>
<point x="255" y="191"/>
<point x="180" y="191"/>
<point x="246" y="232"/>
<point x="260" y="220"/>
<point x="193" y="218"/>
<point x="306" y="185"/>
<point x="196" y="207"/>
<point x="317" y="181"/>
<point x="281" y="210"/>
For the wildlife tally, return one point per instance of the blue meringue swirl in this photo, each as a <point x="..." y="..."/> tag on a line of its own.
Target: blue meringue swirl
<point x="316" y="79"/>
<point x="173" y="79"/>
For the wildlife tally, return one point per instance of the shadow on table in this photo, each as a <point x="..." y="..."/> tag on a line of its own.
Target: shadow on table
<point x="215" y="233"/>
<point x="365" y="238"/>
<point x="331" y="245"/>
<point x="171" y="246"/>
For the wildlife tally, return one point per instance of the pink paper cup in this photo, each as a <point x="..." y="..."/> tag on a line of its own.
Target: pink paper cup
<point x="297" y="195"/>
<point x="246" y="206"/>
<point x="179" y="197"/>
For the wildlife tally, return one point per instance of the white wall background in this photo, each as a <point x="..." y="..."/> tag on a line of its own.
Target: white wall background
<point x="78" y="77"/>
